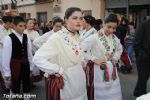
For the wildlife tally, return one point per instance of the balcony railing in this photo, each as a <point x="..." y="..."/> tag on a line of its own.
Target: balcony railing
<point x="44" y="1"/>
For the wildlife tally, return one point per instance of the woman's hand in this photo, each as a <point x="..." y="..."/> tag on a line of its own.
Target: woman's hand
<point x="60" y="80"/>
<point x="83" y="64"/>
<point x="114" y="61"/>
<point x="100" y="61"/>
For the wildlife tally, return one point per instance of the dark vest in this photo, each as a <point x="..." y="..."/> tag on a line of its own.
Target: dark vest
<point x="19" y="50"/>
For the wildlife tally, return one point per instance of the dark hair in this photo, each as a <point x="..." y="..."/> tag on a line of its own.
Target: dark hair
<point x="29" y="19"/>
<point x="71" y="10"/>
<point x="90" y="19"/>
<point x="99" y="21"/>
<point x="56" y="20"/>
<point x="125" y="20"/>
<point x="36" y="23"/>
<point x="17" y="20"/>
<point x="6" y="19"/>
<point x="131" y="23"/>
<point x="111" y="18"/>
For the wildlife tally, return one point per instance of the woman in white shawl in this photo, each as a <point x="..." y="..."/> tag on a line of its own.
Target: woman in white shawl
<point x="60" y="57"/>
<point x="36" y="75"/>
<point x="5" y="30"/>
<point x="105" y="50"/>
<point x="88" y="23"/>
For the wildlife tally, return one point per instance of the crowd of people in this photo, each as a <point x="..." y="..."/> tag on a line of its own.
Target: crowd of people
<point x="79" y="57"/>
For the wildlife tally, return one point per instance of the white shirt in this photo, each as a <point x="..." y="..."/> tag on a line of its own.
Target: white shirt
<point x="3" y="32"/>
<point x="7" y="51"/>
<point x="38" y="42"/>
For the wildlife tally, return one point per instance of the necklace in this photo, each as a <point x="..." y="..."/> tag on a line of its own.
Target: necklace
<point x="73" y="41"/>
<point x="71" y="31"/>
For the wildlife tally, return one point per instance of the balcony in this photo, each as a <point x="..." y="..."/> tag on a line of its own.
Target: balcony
<point x="7" y="6"/>
<point x="43" y="1"/>
<point x="25" y="2"/>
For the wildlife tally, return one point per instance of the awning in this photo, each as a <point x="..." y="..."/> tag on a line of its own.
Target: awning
<point x="123" y="3"/>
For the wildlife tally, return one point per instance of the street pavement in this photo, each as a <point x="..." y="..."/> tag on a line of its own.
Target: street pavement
<point x="128" y="82"/>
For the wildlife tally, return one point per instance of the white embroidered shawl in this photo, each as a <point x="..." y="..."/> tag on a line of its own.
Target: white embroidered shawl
<point x="61" y="54"/>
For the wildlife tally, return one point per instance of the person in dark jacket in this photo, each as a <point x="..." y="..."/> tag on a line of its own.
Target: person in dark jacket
<point x="122" y="30"/>
<point x="142" y="54"/>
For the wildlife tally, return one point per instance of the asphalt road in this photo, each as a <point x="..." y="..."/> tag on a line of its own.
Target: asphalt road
<point x="128" y="82"/>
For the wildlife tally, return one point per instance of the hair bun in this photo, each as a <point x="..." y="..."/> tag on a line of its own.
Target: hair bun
<point x="111" y="18"/>
<point x="90" y="19"/>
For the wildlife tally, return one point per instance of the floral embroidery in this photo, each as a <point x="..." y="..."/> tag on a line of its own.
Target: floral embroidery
<point x="102" y="38"/>
<point x="109" y="55"/>
<point x="72" y="42"/>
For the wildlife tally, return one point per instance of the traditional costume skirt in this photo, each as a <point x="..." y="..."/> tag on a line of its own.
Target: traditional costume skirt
<point x="74" y="85"/>
<point x="102" y="84"/>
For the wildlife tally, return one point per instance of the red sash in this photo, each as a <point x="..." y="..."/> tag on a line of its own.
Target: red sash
<point x="126" y="60"/>
<point x="90" y="79"/>
<point x="53" y="86"/>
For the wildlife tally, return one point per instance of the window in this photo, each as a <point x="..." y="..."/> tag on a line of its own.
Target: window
<point x="57" y="9"/>
<point x="28" y="15"/>
<point x="25" y="15"/>
<point x="87" y="12"/>
<point x="4" y="7"/>
<point x="42" y="17"/>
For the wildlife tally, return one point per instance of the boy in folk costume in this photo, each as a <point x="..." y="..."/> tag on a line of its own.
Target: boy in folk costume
<point x="57" y="25"/>
<point x="60" y="57"/>
<point x="17" y="57"/>
<point x="105" y="50"/>
<point x="5" y="30"/>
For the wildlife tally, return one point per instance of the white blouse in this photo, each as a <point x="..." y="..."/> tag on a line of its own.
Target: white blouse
<point x="86" y="34"/>
<point x="60" y="52"/>
<point x="3" y="33"/>
<point x="97" y="49"/>
<point x="38" y="42"/>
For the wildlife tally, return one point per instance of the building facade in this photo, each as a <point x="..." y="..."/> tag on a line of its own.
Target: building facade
<point x="8" y="7"/>
<point x="91" y="7"/>
<point x="44" y="10"/>
<point x="38" y="9"/>
<point x="137" y="9"/>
